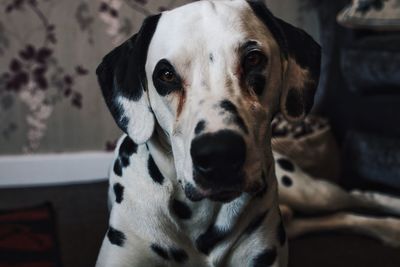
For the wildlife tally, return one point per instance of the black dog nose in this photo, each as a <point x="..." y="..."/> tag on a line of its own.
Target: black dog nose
<point x="220" y="152"/>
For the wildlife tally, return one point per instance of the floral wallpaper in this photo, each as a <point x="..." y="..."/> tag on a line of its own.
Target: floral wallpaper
<point x="49" y="49"/>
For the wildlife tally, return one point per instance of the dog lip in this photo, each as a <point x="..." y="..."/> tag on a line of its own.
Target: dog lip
<point x="224" y="196"/>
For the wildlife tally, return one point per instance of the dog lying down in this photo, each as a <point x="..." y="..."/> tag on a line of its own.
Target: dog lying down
<point x="194" y="181"/>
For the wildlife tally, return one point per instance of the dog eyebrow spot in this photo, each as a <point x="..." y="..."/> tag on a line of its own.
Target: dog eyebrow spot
<point x="200" y="127"/>
<point x="237" y="119"/>
<point x="116" y="237"/>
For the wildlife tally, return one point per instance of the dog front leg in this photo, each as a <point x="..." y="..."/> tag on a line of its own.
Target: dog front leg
<point x="307" y="194"/>
<point x="117" y="252"/>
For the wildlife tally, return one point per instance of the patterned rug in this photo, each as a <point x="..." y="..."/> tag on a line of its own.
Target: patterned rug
<point x="28" y="238"/>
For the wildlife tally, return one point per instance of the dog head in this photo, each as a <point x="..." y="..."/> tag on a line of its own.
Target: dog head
<point x="210" y="76"/>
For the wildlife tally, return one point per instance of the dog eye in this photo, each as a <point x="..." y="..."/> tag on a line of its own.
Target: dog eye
<point x="253" y="59"/>
<point x="167" y="76"/>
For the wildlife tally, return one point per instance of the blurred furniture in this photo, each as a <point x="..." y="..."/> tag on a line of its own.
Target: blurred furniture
<point x="360" y="94"/>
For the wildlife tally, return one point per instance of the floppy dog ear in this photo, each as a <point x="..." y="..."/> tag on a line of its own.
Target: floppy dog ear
<point x="301" y="57"/>
<point x="122" y="79"/>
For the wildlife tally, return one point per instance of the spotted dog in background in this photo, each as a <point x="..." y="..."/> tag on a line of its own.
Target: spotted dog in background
<point x="311" y="204"/>
<point x="195" y="90"/>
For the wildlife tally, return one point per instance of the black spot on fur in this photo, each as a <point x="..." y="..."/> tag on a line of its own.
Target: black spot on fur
<point x="207" y="241"/>
<point x="116" y="237"/>
<point x="119" y="192"/>
<point x="281" y="233"/>
<point x="159" y="251"/>
<point x="154" y="171"/>
<point x="192" y="193"/>
<point x="255" y="223"/>
<point x="178" y="255"/>
<point x="294" y="103"/>
<point x="181" y="210"/>
<point x="286" y="181"/>
<point x="266" y="258"/>
<point x="200" y="127"/>
<point x="123" y="122"/>
<point x="127" y="148"/>
<point x="229" y="107"/>
<point x="285" y="164"/>
<point x="117" y="167"/>
<point x="211" y="57"/>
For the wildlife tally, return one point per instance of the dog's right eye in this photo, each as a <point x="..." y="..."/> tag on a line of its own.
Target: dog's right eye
<point x="167" y="76"/>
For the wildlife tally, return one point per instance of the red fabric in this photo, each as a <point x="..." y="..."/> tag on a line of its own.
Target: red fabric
<point x="40" y="214"/>
<point x="29" y="264"/>
<point x="27" y="238"/>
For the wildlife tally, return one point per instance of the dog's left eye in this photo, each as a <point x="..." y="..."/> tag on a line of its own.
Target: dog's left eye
<point x="253" y="59"/>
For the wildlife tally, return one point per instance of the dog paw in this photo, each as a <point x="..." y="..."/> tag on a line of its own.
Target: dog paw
<point x="388" y="230"/>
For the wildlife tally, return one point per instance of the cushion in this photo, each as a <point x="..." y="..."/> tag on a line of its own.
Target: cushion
<point x="309" y="143"/>
<point x="371" y="14"/>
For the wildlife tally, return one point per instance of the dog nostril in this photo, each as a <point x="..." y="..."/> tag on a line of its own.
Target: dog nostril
<point x="223" y="151"/>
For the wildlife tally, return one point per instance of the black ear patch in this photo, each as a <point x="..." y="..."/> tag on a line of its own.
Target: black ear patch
<point x="294" y="103"/>
<point x="122" y="71"/>
<point x="303" y="55"/>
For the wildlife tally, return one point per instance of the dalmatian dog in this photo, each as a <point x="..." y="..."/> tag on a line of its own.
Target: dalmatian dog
<point x="194" y="177"/>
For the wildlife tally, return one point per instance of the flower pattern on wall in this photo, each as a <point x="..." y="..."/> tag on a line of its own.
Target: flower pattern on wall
<point x="36" y="77"/>
<point x="49" y="97"/>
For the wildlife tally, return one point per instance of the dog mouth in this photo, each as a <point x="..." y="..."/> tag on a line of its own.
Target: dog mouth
<point x="196" y="194"/>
